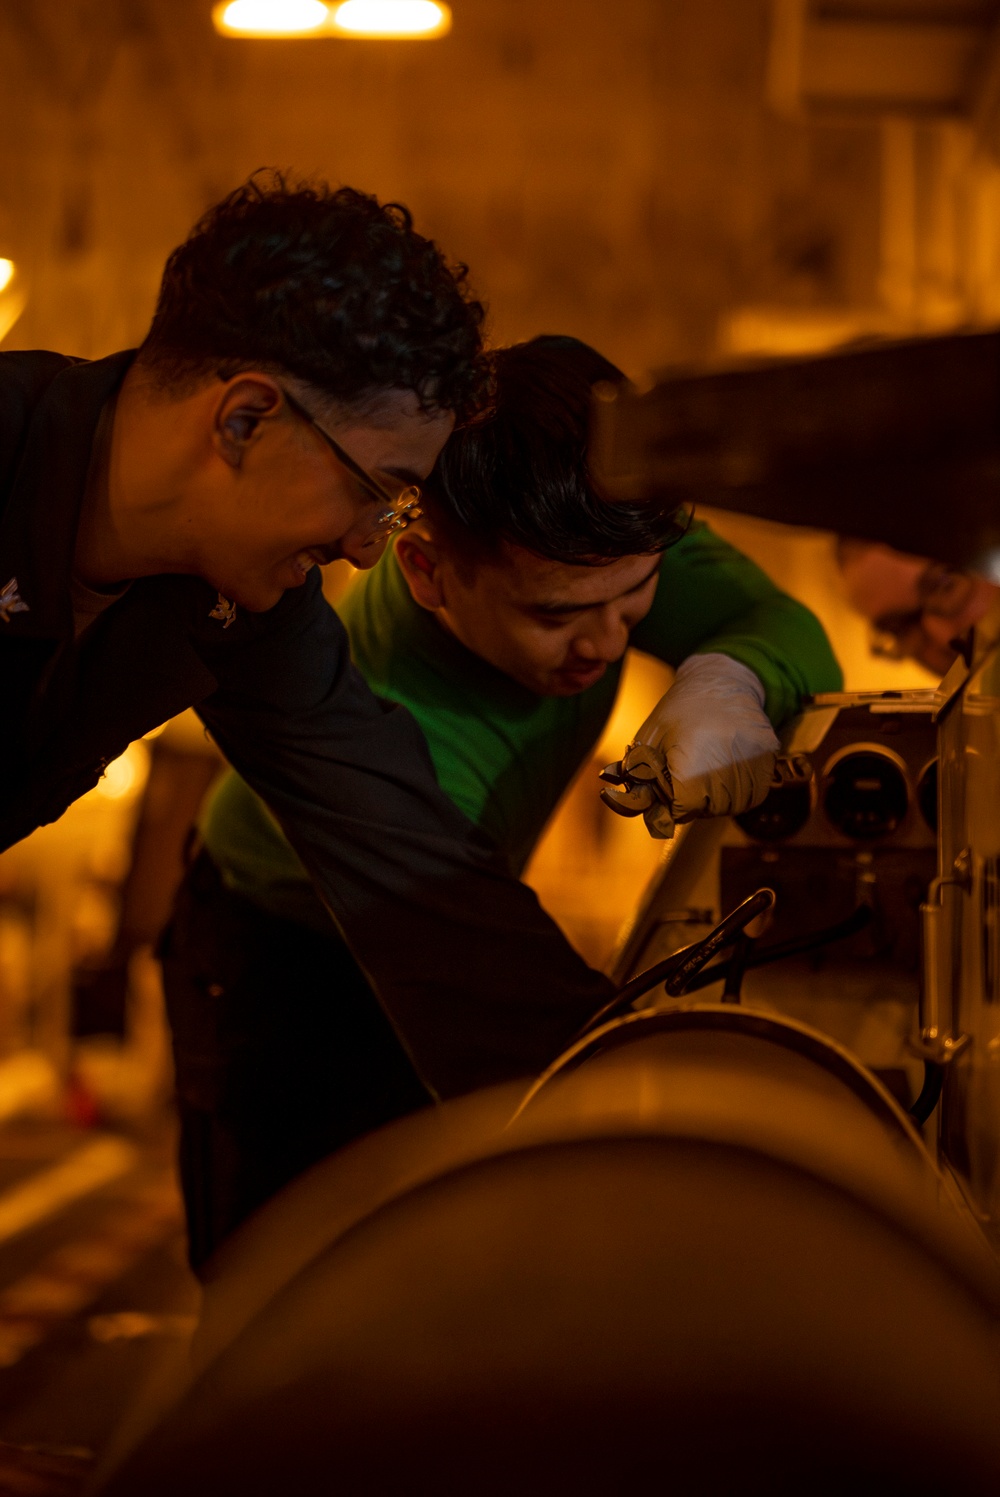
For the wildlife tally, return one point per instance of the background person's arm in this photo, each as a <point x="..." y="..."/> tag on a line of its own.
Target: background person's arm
<point x="479" y="982"/>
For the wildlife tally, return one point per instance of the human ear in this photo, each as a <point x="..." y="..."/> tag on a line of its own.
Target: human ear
<point x="420" y="564"/>
<point x="243" y="404"/>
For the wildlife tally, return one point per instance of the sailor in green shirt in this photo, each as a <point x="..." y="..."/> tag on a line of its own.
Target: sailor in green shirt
<point x="501" y="620"/>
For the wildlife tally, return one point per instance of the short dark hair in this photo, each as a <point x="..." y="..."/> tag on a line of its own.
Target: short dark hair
<point x="521" y="474"/>
<point x="328" y="285"/>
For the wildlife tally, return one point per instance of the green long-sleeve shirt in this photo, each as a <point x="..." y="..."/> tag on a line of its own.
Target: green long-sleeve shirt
<point x="503" y="754"/>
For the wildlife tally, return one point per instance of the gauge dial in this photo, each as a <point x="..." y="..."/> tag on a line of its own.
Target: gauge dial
<point x="865" y="793"/>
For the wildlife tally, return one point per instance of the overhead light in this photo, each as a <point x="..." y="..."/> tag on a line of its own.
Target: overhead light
<point x="380" y="19"/>
<point x="271" y="17"/>
<point x="12" y="297"/>
<point x="391" y="18"/>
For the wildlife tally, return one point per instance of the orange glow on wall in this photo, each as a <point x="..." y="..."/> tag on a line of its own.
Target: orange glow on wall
<point x="12" y="296"/>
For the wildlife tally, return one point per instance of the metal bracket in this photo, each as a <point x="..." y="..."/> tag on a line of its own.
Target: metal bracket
<point x="936" y="1043"/>
<point x="939" y="1048"/>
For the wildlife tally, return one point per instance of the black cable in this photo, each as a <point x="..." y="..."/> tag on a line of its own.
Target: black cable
<point x="855" y="922"/>
<point x="930" y="1092"/>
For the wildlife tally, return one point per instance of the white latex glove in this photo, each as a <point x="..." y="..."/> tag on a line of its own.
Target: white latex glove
<point x="716" y="740"/>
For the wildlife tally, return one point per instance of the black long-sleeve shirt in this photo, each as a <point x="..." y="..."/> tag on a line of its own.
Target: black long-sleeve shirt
<point x="479" y="982"/>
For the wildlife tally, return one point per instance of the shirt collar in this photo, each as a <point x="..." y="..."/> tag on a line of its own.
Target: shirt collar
<point x="41" y="515"/>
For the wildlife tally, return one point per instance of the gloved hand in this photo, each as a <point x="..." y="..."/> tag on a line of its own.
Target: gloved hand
<point x="716" y="744"/>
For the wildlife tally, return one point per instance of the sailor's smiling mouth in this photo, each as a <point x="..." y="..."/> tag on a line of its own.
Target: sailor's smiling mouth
<point x="315" y="556"/>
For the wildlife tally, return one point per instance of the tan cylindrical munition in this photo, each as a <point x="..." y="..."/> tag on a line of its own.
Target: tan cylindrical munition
<point x="710" y="1254"/>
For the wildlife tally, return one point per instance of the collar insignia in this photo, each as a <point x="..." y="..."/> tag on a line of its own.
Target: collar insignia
<point x="11" y="601"/>
<point x="224" y="611"/>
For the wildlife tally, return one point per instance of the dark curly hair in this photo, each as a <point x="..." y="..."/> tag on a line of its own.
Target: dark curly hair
<point x="521" y="474"/>
<point x="328" y="285"/>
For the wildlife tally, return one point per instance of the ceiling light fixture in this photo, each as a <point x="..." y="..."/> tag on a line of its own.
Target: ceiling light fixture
<point x="271" y="17"/>
<point x="391" y="18"/>
<point x="384" y="20"/>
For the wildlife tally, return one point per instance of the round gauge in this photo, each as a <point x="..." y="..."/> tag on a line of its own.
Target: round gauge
<point x="927" y="794"/>
<point x="865" y="794"/>
<point x="784" y="812"/>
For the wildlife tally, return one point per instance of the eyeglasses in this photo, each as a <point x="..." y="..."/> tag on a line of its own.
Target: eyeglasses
<point x="396" y="513"/>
